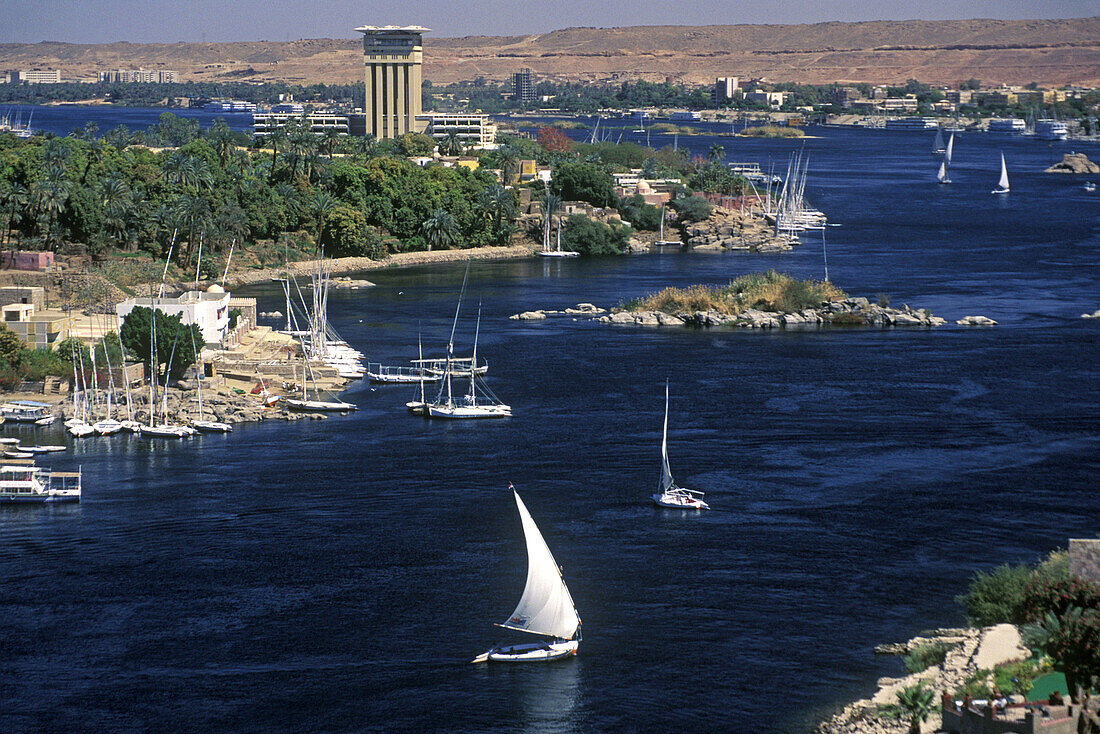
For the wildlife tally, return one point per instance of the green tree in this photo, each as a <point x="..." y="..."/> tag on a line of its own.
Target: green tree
<point x="715" y="153"/>
<point x="692" y="208"/>
<point x="451" y="145"/>
<point x="1072" y="640"/>
<point x="584" y="182"/>
<point x="11" y="346"/>
<point x="996" y="596"/>
<point x="641" y="215"/>
<point x="416" y="144"/>
<point x="176" y="344"/>
<point x="346" y="234"/>
<point x="320" y="204"/>
<point x="590" y="237"/>
<point x="440" y="230"/>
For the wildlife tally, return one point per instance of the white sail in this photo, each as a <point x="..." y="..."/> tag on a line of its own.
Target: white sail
<point x="942" y="175"/>
<point x="666" y="471"/>
<point x="950" y="147"/>
<point x="1002" y="185"/>
<point x="937" y="147"/>
<point x="546" y="608"/>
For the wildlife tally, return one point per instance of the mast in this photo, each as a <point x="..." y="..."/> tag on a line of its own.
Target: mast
<point x="420" y="361"/>
<point x="153" y="361"/>
<point x="666" y="472"/>
<point x="473" y="359"/>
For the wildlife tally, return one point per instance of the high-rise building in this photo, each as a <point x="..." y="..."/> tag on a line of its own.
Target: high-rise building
<point x="392" y="56"/>
<point x="523" y="86"/>
<point x="725" y="89"/>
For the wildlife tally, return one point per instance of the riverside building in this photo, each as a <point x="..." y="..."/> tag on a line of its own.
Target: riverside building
<point x="392" y="58"/>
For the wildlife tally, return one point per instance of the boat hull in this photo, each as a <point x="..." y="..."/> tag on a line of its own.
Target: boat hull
<point x="557" y="253"/>
<point x="7" y="499"/>
<point x="471" y="411"/>
<point x="678" y="501"/>
<point x="533" y="652"/>
<point x="319" y="406"/>
<point x="211" y="426"/>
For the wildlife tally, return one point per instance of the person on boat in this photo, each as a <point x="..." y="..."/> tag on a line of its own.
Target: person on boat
<point x="946" y="701"/>
<point x="968" y="702"/>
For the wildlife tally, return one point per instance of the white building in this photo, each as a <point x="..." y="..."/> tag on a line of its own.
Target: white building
<point x="319" y="123"/>
<point x="472" y="130"/>
<point x="209" y="309"/>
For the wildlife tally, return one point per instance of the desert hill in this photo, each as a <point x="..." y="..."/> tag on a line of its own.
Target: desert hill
<point x="1050" y="52"/>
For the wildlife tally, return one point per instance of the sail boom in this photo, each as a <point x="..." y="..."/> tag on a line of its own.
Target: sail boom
<point x="507" y="626"/>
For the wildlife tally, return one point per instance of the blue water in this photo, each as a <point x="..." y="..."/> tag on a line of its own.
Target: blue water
<point x="337" y="575"/>
<point x="64" y="119"/>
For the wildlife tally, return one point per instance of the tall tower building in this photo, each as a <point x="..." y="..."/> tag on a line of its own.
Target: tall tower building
<point x="523" y="86"/>
<point x="392" y="56"/>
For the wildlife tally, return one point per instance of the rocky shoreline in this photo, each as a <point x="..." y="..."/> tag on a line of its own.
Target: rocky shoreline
<point x="970" y="650"/>
<point x="726" y="229"/>
<point x="848" y="312"/>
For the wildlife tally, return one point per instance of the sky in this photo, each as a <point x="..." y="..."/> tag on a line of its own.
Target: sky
<point x="104" y="21"/>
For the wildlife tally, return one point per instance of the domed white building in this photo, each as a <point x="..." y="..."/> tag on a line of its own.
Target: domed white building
<point x="209" y="309"/>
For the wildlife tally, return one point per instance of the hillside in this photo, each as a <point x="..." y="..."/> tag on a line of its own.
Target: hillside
<point x="1049" y="52"/>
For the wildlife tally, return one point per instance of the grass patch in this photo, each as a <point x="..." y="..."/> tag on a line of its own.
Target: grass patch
<point x="772" y="131"/>
<point x="923" y="657"/>
<point x="770" y="291"/>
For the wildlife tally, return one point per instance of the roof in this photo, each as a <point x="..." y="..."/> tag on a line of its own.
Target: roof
<point x="392" y="29"/>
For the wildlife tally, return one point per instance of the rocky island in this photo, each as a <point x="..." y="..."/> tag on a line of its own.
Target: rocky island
<point x="759" y="301"/>
<point x="1074" y="163"/>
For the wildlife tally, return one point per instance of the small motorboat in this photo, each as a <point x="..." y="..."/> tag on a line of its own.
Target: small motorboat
<point x="211" y="426"/>
<point x="18" y="454"/>
<point x="51" y="448"/>
<point x="1089" y="186"/>
<point x="9" y="441"/>
<point x="45" y="420"/>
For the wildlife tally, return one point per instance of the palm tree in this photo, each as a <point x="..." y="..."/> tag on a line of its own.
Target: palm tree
<point x="330" y="140"/>
<point x="15" y="198"/>
<point x="221" y="140"/>
<point x="715" y="153"/>
<point x="451" y="145"/>
<point x="916" y="702"/>
<point x="440" y="230"/>
<point x="509" y="162"/>
<point x="320" y="204"/>
<point x="193" y="211"/>
<point x="278" y="137"/>
<point x="54" y="195"/>
<point x="500" y="204"/>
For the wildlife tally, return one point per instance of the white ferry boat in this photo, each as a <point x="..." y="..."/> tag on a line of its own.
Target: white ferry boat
<point x="25" y="411"/>
<point x="25" y="483"/>
<point x="912" y="123"/>
<point x="1009" y="125"/>
<point x="232" y="106"/>
<point x="1051" y="130"/>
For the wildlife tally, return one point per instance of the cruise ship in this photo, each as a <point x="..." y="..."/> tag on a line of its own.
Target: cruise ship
<point x="232" y="106"/>
<point x="912" y="123"/>
<point x="1051" y="130"/>
<point x="23" y="482"/>
<point x="1011" y="125"/>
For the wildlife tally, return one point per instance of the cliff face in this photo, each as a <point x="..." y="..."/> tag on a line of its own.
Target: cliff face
<point x="1049" y="52"/>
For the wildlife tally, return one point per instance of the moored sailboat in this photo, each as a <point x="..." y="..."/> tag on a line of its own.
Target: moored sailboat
<point x="546" y="608"/>
<point x="670" y="494"/>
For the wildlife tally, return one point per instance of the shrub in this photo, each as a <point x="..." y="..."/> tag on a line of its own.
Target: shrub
<point x="976" y="685"/>
<point x="641" y="215"/>
<point x="925" y="656"/>
<point x="996" y="596"/>
<point x="847" y="319"/>
<point x="1044" y="594"/>
<point x="692" y="208"/>
<point x="883" y="299"/>
<point x="1016" y="677"/>
<point x="590" y="237"/>
<point x="771" y="291"/>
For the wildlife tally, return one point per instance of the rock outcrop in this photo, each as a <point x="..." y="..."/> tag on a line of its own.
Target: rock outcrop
<point x="731" y="230"/>
<point x="976" y="321"/>
<point x="1074" y="163"/>
<point x="849" y="312"/>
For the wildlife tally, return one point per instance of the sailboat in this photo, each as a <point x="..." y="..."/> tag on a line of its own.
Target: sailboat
<point x="945" y="164"/>
<point x="661" y="241"/>
<point x="546" y="250"/>
<point x="315" y="406"/>
<point x="419" y="407"/>
<point x="164" y="430"/>
<point x="204" y="425"/>
<point x="478" y="402"/>
<point x="671" y="495"/>
<point x="546" y="608"/>
<point x="108" y="425"/>
<point x="937" y="147"/>
<point x="1002" y="185"/>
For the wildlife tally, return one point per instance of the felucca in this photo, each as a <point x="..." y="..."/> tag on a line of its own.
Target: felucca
<point x="1002" y="184"/>
<point x="671" y="495"/>
<point x="545" y="609"/>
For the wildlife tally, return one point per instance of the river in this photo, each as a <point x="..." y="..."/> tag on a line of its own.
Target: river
<point x="337" y="575"/>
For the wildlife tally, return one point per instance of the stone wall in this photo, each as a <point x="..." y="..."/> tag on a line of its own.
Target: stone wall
<point x="1084" y="558"/>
